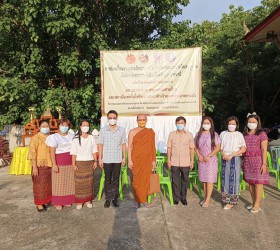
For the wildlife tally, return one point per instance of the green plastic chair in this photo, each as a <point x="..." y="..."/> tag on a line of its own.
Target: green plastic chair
<point x="193" y="177"/>
<point x="272" y="170"/>
<point x="242" y="181"/>
<point x="243" y="184"/>
<point x="165" y="181"/>
<point x="123" y="178"/>
<point x="219" y="179"/>
<point x="278" y="172"/>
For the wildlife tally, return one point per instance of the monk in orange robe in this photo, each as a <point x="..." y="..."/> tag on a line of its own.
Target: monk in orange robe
<point x="141" y="159"/>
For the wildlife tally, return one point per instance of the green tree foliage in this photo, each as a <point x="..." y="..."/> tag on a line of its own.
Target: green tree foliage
<point x="50" y="55"/>
<point x="237" y="77"/>
<point x="50" y="50"/>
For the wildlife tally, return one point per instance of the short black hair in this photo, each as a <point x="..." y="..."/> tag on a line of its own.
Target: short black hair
<point x="234" y="118"/>
<point x="43" y="121"/>
<point x="112" y="112"/>
<point x="179" y="118"/>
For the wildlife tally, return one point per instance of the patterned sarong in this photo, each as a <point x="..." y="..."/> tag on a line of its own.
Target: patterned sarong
<point x="84" y="182"/>
<point x="63" y="182"/>
<point x="42" y="186"/>
<point x="231" y="180"/>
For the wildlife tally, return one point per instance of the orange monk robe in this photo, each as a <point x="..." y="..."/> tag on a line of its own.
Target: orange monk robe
<point x="142" y="155"/>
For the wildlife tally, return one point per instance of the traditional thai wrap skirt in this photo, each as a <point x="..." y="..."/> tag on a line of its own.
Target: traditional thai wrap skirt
<point x="231" y="180"/>
<point x="42" y="186"/>
<point x="63" y="182"/>
<point x="84" y="182"/>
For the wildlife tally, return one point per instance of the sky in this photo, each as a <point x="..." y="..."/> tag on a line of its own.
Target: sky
<point x="212" y="10"/>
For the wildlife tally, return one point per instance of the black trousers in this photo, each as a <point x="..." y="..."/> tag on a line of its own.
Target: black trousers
<point x="180" y="185"/>
<point x="112" y="174"/>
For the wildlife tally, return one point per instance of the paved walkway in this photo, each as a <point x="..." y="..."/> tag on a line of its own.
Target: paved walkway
<point x="162" y="227"/>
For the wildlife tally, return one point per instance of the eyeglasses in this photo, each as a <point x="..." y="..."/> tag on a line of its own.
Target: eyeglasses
<point x="142" y="120"/>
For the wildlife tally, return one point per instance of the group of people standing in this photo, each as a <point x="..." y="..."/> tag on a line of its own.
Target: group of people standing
<point x="63" y="164"/>
<point x="247" y="152"/>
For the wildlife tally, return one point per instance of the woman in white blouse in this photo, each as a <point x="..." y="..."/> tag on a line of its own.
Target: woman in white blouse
<point x="63" y="184"/>
<point x="232" y="147"/>
<point x="83" y="151"/>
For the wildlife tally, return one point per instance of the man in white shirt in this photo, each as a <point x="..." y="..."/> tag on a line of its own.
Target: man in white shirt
<point x="112" y="155"/>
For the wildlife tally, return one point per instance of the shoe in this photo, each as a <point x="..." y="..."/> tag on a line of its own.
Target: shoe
<point x="43" y="209"/>
<point x="47" y="205"/>
<point x="184" y="202"/>
<point x="107" y="203"/>
<point x="89" y="205"/>
<point x="176" y="202"/>
<point x="254" y="210"/>
<point x="116" y="203"/>
<point x="79" y="206"/>
<point x="249" y="207"/>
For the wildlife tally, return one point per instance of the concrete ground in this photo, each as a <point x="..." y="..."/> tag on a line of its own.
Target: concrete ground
<point x="161" y="227"/>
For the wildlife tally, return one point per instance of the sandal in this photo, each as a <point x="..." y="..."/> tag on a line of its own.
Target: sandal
<point x="89" y="205"/>
<point x="254" y="210"/>
<point x="147" y="205"/>
<point x="228" y="207"/>
<point x="204" y="205"/>
<point x="42" y="209"/>
<point x="135" y="205"/>
<point x="79" y="206"/>
<point x="58" y="207"/>
<point x="201" y="202"/>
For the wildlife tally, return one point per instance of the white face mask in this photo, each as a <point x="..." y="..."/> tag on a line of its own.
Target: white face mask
<point x="85" y="129"/>
<point x="112" y="122"/>
<point x="206" y="126"/>
<point x="252" y="125"/>
<point x="231" y="127"/>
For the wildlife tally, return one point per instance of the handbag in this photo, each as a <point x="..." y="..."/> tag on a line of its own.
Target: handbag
<point x="154" y="183"/>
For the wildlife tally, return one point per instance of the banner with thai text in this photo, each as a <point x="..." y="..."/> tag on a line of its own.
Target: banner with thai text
<point x="154" y="82"/>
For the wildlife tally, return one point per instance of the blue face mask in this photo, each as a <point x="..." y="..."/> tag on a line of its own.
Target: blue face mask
<point x="180" y="126"/>
<point x="44" y="130"/>
<point x="63" y="129"/>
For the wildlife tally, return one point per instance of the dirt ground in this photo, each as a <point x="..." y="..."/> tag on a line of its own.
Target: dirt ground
<point x="161" y="227"/>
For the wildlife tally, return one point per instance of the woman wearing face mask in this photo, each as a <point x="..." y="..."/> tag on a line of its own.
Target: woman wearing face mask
<point x="208" y="144"/>
<point x="39" y="155"/>
<point x="63" y="183"/>
<point x="255" y="160"/>
<point x="83" y="151"/>
<point x="232" y="147"/>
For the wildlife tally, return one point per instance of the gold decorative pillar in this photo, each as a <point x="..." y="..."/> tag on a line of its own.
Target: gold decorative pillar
<point x="32" y="113"/>
<point x="59" y="110"/>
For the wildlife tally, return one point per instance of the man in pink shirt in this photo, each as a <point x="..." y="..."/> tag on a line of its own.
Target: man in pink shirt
<point x="180" y="153"/>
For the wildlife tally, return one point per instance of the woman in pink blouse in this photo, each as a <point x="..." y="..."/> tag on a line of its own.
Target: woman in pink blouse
<point x="255" y="160"/>
<point x="207" y="145"/>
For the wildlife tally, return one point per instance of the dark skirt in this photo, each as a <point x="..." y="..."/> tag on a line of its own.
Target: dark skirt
<point x="42" y="186"/>
<point x="84" y="182"/>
